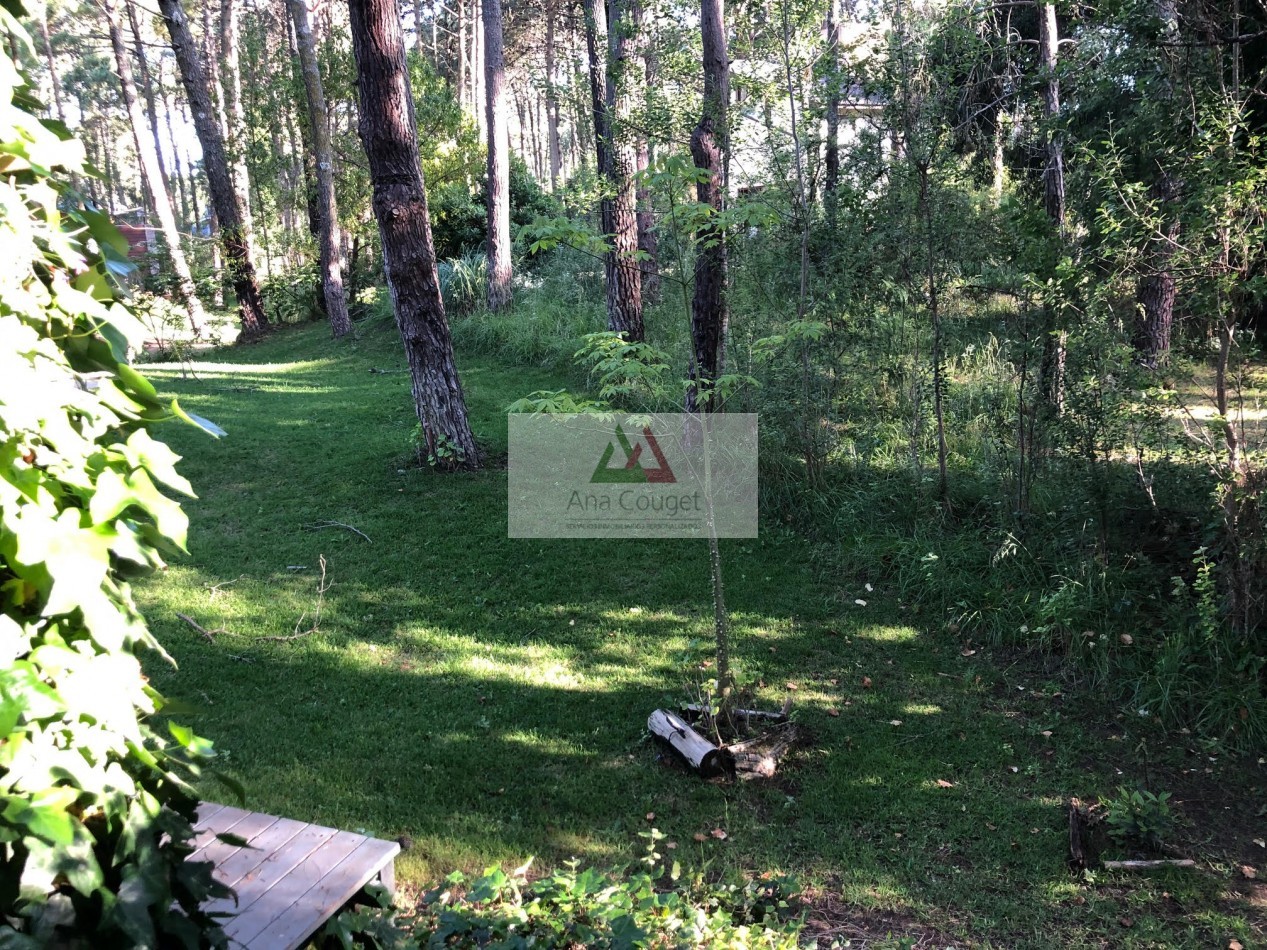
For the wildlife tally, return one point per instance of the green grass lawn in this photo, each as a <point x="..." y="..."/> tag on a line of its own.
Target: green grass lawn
<point x="487" y="697"/>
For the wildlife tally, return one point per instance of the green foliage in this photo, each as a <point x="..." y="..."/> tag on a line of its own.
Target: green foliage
<point x="95" y="808"/>
<point x="1140" y="817"/>
<point x="652" y="905"/>
<point x="463" y="281"/>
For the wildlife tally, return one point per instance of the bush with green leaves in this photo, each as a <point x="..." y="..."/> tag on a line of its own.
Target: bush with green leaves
<point x="1140" y="817"/>
<point x="95" y="805"/>
<point x="654" y="905"/>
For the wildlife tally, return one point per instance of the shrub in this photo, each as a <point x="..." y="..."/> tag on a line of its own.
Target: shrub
<point x="95" y="809"/>
<point x="650" y="906"/>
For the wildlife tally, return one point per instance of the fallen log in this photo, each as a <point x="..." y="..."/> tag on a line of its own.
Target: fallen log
<point x="1149" y="865"/>
<point x="695" y="710"/>
<point x="699" y="753"/>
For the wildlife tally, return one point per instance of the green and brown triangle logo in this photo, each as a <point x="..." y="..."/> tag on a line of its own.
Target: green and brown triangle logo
<point x="633" y="470"/>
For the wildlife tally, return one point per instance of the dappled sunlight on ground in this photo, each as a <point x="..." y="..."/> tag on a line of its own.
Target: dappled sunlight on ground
<point x="487" y="698"/>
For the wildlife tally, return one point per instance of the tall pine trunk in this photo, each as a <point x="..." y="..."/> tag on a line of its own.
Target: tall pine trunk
<point x="388" y="133"/>
<point x="552" y="102"/>
<point x="709" y="141"/>
<point x="147" y="153"/>
<point x="323" y="159"/>
<point x="615" y="169"/>
<point x="831" y="149"/>
<point x="1157" y="292"/>
<point x="498" y="191"/>
<point x="648" y="245"/>
<point x="234" y="116"/>
<point x="1052" y="370"/>
<point x="215" y="164"/>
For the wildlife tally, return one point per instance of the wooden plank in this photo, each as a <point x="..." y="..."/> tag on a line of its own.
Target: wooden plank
<point x="319" y="903"/>
<point x="235" y="867"/>
<point x="284" y="890"/>
<point x="209" y="847"/>
<point x="249" y="828"/>
<point x="255" y="883"/>
<point x="205" y="812"/>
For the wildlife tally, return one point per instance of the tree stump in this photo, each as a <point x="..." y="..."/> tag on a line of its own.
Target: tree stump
<point x="759" y="756"/>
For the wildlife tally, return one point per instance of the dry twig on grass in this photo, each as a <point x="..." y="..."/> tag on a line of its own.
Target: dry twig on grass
<point x="323" y="585"/>
<point x="318" y="525"/>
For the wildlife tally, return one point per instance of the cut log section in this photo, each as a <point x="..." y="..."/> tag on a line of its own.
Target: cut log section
<point x="699" y="753"/>
<point x="759" y="757"/>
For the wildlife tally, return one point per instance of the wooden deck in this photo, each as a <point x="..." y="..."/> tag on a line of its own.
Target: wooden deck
<point x="291" y="878"/>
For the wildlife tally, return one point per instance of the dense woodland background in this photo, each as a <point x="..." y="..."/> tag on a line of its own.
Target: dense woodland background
<point x="991" y="273"/>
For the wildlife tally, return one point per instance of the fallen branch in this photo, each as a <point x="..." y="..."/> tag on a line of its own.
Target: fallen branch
<point x="696" y="710"/>
<point x="323" y="585"/>
<point x="759" y="756"/>
<point x="214" y="589"/>
<point x="208" y="635"/>
<point x="318" y="525"/>
<point x="1149" y="865"/>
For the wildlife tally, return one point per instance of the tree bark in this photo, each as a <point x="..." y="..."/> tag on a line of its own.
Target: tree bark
<point x="331" y="258"/>
<point x="831" y="150"/>
<point x="388" y="133"/>
<point x="1052" y="369"/>
<point x="235" y="139"/>
<point x="648" y="246"/>
<point x="219" y="182"/>
<point x="146" y="86"/>
<point x="1054" y="172"/>
<point x="1155" y="310"/>
<point x="147" y="154"/>
<point x="608" y="62"/>
<point x="52" y="65"/>
<point x="498" y="191"/>
<point x="552" y="102"/>
<point x="709" y="141"/>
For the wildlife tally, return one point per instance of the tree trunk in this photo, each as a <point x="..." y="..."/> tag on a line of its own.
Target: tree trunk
<point x="178" y="171"/>
<point x="615" y="167"/>
<point x="216" y="166"/>
<point x="498" y="191"/>
<point x="831" y="156"/>
<point x="52" y="65"/>
<point x="1052" y="370"/>
<point x="147" y="155"/>
<point x="331" y="261"/>
<point x="1054" y="172"/>
<point x="648" y="246"/>
<point x="387" y="129"/>
<point x="552" y="102"/>
<point x="461" y="38"/>
<point x="235" y="139"/>
<point x="147" y="86"/>
<point x="1155" y="310"/>
<point x="708" y="145"/>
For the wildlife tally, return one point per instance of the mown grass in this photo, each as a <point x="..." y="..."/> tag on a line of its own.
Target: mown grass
<point x="486" y="697"/>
